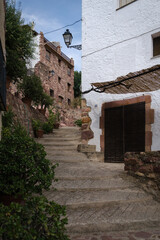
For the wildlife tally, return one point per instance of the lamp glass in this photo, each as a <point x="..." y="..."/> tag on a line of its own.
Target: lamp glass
<point x="67" y="37"/>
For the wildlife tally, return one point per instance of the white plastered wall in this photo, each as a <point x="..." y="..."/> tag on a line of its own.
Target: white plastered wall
<point x="116" y="42"/>
<point x="36" y="57"/>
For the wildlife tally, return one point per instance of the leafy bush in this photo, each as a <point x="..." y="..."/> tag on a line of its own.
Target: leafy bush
<point x="36" y="124"/>
<point x="8" y="118"/>
<point x="46" y="101"/>
<point x="24" y="168"/>
<point x="47" y="127"/>
<point x="31" y="87"/>
<point x="78" y="122"/>
<point x="37" y="219"/>
<point x="19" y="42"/>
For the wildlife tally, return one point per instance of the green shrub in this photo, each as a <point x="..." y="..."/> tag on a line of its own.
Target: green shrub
<point x="78" y="122"/>
<point x="47" y="127"/>
<point x="24" y="168"/>
<point x="37" y="219"/>
<point x="31" y="87"/>
<point x="8" y="118"/>
<point x="46" y="101"/>
<point x="36" y="124"/>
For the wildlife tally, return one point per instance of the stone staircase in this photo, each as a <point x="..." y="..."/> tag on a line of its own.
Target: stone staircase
<point x="100" y="197"/>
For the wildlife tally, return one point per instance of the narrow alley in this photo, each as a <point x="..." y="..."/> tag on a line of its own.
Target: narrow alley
<point x="103" y="203"/>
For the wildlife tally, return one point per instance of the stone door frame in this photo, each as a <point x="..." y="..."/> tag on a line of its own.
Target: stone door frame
<point x="149" y="118"/>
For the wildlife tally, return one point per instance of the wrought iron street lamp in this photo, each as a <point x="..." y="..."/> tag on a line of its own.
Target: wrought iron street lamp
<point x="68" y="40"/>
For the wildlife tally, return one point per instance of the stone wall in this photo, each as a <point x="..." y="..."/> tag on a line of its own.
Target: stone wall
<point x="69" y="116"/>
<point x="144" y="164"/>
<point x="24" y="113"/>
<point x="87" y="133"/>
<point x="60" y="83"/>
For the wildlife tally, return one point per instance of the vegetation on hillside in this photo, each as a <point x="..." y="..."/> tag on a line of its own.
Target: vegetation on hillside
<point x="19" y="42"/>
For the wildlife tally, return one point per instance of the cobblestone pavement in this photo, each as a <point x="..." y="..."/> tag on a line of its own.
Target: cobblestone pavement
<point x="102" y="201"/>
<point x="128" y="235"/>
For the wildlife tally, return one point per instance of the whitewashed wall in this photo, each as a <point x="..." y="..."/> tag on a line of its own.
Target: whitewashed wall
<point x="116" y="42"/>
<point x="36" y="57"/>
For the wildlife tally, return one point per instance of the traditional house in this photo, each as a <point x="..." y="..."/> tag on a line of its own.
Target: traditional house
<point x="2" y="60"/>
<point x="55" y="69"/>
<point x="121" y="76"/>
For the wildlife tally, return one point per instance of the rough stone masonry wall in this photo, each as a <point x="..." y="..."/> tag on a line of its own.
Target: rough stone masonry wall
<point x="144" y="164"/>
<point x="61" y="82"/>
<point x="87" y="133"/>
<point x="24" y="113"/>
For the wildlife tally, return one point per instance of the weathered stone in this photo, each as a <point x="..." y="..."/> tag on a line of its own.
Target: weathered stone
<point x="86" y="119"/>
<point x="148" y="168"/>
<point x="86" y="148"/>
<point x="87" y="134"/>
<point x="133" y="161"/>
<point x="86" y="109"/>
<point x="151" y="175"/>
<point x="84" y="126"/>
<point x="156" y="169"/>
<point x="139" y="174"/>
<point x="84" y="114"/>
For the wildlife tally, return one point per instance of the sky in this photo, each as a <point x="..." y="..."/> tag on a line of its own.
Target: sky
<point x="49" y="15"/>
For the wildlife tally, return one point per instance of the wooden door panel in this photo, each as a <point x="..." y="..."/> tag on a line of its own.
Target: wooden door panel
<point x="124" y="131"/>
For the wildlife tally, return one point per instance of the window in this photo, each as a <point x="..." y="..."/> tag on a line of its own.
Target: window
<point x="60" y="100"/>
<point x="69" y="71"/>
<point x="59" y="62"/>
<point x="156" y="45"/>
<point x="69" y="87"/>
<point x="69" y="102"/>
<point x="51" y="92"/>
<point x="48" y="55"/>
<point x="125" y="2"/>
<point x="59" y="80"/>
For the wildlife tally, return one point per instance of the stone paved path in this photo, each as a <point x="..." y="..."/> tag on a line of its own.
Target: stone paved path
<point x="103" y="203"/>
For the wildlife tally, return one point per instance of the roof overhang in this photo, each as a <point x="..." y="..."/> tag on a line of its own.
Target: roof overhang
<point x="146" y="80"/>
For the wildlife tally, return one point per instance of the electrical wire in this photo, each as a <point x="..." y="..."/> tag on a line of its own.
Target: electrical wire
<point x="99" y="50"/>
<point x="63" y="27"/>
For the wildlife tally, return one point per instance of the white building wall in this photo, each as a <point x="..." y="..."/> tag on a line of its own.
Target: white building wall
<point x="36" y="57"/>
<point x="116" y="42"/>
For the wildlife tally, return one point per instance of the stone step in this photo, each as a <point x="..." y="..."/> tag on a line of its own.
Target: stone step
<point x="51" y="150"/>
<point x="66" y="158"/>
<point x="49" y="145"/>
<point x="57" y="139"/>
<point x="89" y="184"/>
<point x="119" y="216"/>
<point x="85" y="172"/>
<point x="97" y="198"/>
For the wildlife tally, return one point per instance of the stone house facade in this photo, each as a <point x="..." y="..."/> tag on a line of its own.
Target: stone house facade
<point x="55" y="69"/>
<point x="2" y="61"/>
<point x="121" y="59"/>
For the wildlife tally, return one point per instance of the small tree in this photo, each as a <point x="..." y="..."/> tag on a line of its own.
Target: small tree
<point x="19" y="42"/>
<point x="77" y="84"/>
<point x="31" y="87"/>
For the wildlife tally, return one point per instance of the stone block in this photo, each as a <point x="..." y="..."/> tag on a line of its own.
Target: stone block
<point x="86" y="119"/>
<point x="151" y="175"/>
<point x="84" y="127"/>
<point x="148" y="168"/>
<point x="83" y="103"/>
<point x="133" y="161"/>
<point x="156" y="169"/>
<point x="149" y="116"/>
<point x="87" y="134"/>
<point x="86" y="148"/>
<point x="140" y="174"/>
